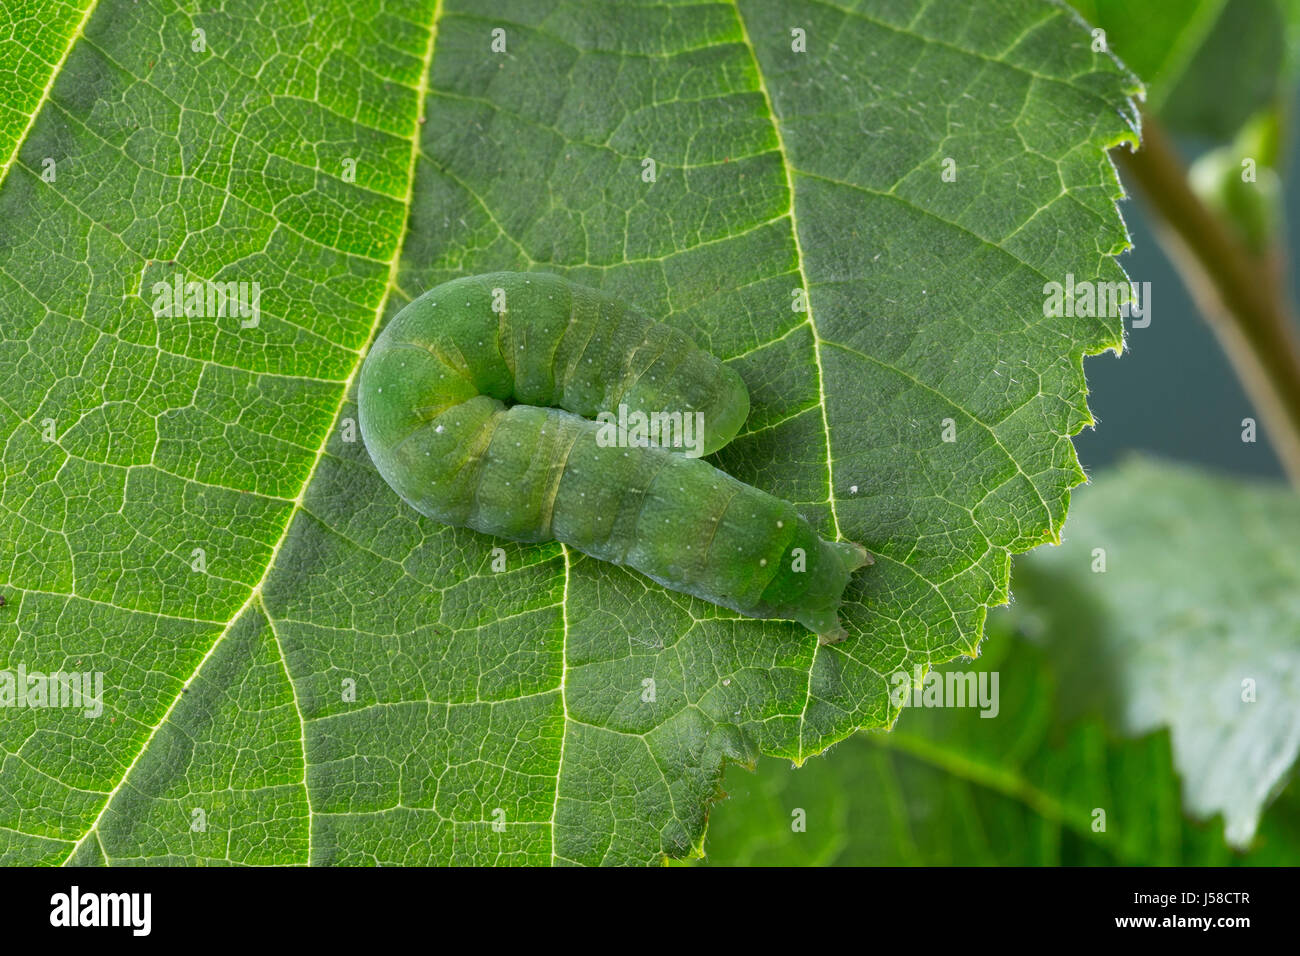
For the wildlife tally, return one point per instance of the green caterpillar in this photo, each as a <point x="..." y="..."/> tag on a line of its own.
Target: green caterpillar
<point x="458" y="407"/>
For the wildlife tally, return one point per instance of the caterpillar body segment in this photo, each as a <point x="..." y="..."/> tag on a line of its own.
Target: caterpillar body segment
<point x="477" y="405"/>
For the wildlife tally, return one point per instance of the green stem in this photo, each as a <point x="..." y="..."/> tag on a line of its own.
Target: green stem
<point x="1240" y="293"/>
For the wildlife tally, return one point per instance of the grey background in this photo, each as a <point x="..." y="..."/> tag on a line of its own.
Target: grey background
<point x="1173" y="393"/>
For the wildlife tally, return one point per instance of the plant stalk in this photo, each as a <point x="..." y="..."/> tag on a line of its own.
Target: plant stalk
<point x="1241" y="294"/>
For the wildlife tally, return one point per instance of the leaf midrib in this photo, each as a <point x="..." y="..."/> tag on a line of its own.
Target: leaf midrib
<point x="39" y="106"/>
<point x="254" y="596"/>
<point x="787" y="170"/>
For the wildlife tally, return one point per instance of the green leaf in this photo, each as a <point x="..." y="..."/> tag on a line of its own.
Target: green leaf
<point x="346" y="682"/>
<point x="1209" y="65"/>
<point x="949" y="787"/>
<point x="34" y="41"/>
<point x="1194" y="624"/>
<point x="1157" y="40"/>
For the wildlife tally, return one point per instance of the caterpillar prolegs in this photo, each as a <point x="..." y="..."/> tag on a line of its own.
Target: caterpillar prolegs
<point x="477" y="405"/>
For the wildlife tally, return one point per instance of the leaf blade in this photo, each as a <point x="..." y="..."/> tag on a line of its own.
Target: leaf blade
<point x="519" y="699"/>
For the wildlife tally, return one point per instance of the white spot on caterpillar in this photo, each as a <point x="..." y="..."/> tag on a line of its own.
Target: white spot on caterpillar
<point x="762" y="562"/>
<point x="780" y="524"/>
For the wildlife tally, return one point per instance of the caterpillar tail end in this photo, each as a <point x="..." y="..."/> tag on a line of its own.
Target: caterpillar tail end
<point x="855" y="555"/>
<point x="821" y="616"/>
<point x="833" y="636"/>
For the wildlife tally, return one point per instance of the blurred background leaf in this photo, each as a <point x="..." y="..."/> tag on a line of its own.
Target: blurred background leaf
<point x="1208" y="65"/>
<point x="948" y="787"/>
<point x="1174" y="601"/>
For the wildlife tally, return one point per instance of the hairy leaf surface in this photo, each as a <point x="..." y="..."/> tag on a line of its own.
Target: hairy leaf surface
<point x="345" y="682"/>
